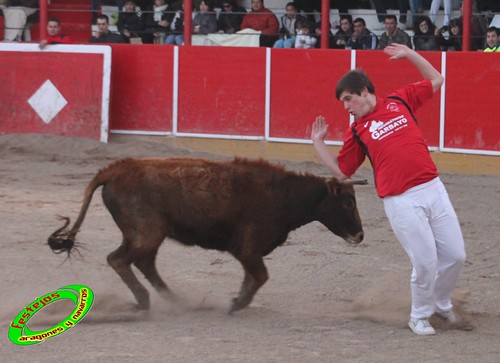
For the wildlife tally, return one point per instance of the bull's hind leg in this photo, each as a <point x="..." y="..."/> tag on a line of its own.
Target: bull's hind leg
<point x="121" y="260"/>
<point x="146" y="264"/>
<point x="255" y="276"/>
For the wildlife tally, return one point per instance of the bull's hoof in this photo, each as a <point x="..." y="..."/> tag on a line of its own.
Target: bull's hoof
<point x="237" y="304"/>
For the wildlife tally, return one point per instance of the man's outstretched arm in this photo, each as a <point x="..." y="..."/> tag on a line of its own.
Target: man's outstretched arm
<point x="400" y="51"/>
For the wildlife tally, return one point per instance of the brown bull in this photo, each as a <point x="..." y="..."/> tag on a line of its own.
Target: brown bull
<point x="246" y="208"/>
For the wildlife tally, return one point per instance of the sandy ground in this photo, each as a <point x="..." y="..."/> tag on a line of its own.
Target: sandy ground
<point x="326" y="301"/>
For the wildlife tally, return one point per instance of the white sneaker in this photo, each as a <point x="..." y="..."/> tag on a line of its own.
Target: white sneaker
<point x="449" y="316"/>
<point x="421" y="327"/>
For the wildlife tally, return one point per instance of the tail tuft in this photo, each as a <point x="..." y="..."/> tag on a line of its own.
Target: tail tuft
<point x="61" y="241"/>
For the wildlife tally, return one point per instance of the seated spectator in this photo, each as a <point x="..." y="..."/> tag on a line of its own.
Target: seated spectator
<point x="393" y="34"/>
<point x="130" y="21"/>
<point x="54" y="35"/>
<point x="96" y="4"/>
<point x="230" y="17"/>
<point x="305" y="38"/>
<point x="263" y="20"/>
<point x="331" y="37"/>
<point x="176" y="34"/>
<point x="426" y="35"/>
<point x="477" y="28"/>
<point x="289" y="24"/>
<point x="103" y="34"/>
<point x="16" y="16"/>
<point x="361" y="37"/>
<point x="157" y="21"/>
<point x="205" y="20"/>
<point x="345" y="31"/>
<point x="492" y="39"/>
<point x="454" y="41"/>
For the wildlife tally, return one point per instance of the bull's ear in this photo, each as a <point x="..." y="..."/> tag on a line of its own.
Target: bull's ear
<point x="333" y="186"/>
<point x="355" y="182"/>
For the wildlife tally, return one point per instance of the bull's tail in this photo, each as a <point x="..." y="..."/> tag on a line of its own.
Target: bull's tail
<point x="63" y="240"/>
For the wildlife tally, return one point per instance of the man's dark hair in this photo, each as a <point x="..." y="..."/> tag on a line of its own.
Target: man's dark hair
<point x="392" y="17"/>
<point x="346" y="16"/>
<point x="359" y="20"/>
<point x="354" y="82"/>
<point x="54" y="19"/>
<point x="103" y="17"/>
<point x="492" y="29"/>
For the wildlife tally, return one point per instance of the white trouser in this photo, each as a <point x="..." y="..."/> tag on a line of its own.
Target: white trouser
<point x="15" y="21"/>
<point x="448" y="6"/>
<point x="425" y="223"/>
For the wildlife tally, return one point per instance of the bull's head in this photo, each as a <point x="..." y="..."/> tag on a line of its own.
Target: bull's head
<point x="338" y="210"/>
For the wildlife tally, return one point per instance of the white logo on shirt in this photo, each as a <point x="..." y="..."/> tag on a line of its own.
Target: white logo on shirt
<point x="379" y="129"/>
<point x="392" y="106"/>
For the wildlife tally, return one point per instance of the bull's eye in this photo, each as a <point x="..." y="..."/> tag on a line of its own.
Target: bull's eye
<point x="348" y="203"/>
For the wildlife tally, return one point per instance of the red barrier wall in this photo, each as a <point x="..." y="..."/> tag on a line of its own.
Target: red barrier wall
<point x="472" y="90"/>
<point x="142" y="87"/>
<point x="222" y="91"/>
<point x="47" y="92"/>
<point x="303" y="87"/>
<point x="252" y="92"/>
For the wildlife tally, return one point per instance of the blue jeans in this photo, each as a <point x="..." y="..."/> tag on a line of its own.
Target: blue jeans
<point x="174" y="39"/>
<point x="285" y="43"/>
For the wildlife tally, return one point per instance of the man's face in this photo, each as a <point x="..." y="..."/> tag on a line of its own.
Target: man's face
<point x="345" y="25"/>
<point x="491" y="38"/>
<point x="129" y="6"/>
<point x="52" y="28"/>
<point x="257" y="5"/>
<point x="390" y="26"/>
<point x="102" y="25"/>
<point x="358" y="28"/>
<point x="227" y="7"/>
<point x="357" y="105"/>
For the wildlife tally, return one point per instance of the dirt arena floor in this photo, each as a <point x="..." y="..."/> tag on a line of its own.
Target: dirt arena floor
<point x="325" y="301"/>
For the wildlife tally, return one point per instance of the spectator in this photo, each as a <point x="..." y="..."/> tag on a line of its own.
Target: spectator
<point x="130" y="21"/>
<point x="331" y="37"/>
<point x="342" y="35"/>
<point x="477" y="28"/>
<point x="289" y="23"/>
<point x="381" y="10"/>
<point x="448" y="6"/>
<point x="96" y="4"/>
<point x="176" y="34"/>
<point x="492" y="39"/>
<point x="305" y="38"/>
<point x="262" y="19"/>
<point x="393" y="34"/>
<point x="426" y="35"/>
<point x="205" y="21"/>
<point x="16" y="16"/>
<point x="54" y="35"/>
<point x="230" y="17"/>
<point x="454" y="41"/>
<point x="157" y="21"/>
<point x="361" y="37"/>
<point x="103" y="35"/>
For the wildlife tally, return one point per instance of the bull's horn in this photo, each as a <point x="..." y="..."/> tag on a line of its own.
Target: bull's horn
<point x="355" y="182"/>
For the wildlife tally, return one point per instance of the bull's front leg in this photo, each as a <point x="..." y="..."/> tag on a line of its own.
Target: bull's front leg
<point x="255" y="276"/>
